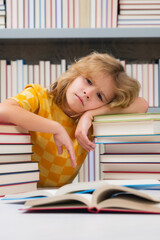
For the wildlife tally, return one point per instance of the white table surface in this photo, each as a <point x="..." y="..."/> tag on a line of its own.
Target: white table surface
<point x="17" y="225"/>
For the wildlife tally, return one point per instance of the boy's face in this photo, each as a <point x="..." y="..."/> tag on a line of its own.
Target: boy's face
<point x="84" y="94"/>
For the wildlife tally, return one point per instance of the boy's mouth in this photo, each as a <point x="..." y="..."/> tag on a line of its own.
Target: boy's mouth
<point x="80" y="99"/>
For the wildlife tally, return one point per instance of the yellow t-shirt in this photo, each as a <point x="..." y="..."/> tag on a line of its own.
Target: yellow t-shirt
<point x="55" y="170"/>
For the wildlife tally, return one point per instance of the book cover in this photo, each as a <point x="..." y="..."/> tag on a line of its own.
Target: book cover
<point x="3" y="70"/>
<point x="31" y="9"/>
<point x="15" y="148"/>
<point x="11" y="128"/>
<point x="119" y="175"/>
<point x="127" y="117"/>
<point x="139" y="6"/>
<point x="135" y="139"/>
<point x="17" y="188"/>
<point x="148" y="147"/>
<point x="15" y="138"/>
<point x="28" y="195"/>
<point x="18" y="177"/>
<point x="84" y="13"/>
<point x="13" y="158"/>
<point x="14" y="15"/>
<point x="139" y="11"/>
<point x="59" y="16"/>
<point x="126" y="128"/>
<point x="127" y="158"/>
<point x="20" y="14"/>
<point x="37" y="13"/>
<point x="18" y="167"/>
<point x="129" y="166"/>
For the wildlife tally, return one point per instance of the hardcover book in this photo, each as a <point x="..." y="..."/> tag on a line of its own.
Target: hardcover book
<point x="106" y="198"/>
<point x="18" y="177"/>
<point x="148" y="147"/>
<point x="16" y="188"/>
<point x="14" y="158"/>
<point x="144" y="138"/>
<point x="126" y="124"/>
<point x="127" y="117"/>
<point x="18" y="167"/>
<point x="129" y="165"/>
<point x="15" y="138"/>
<point x="126" y="128"/>
<point x="11" y="128"/>
<point x="15" y="148"/>
<point x="119" y="175"/>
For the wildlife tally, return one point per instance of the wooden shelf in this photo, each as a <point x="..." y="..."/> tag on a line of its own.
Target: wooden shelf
<point x="80" y="33"/>
<point x="154" y="110"/>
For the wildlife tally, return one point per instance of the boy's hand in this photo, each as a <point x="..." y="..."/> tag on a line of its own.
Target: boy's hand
<point x="62" y="138"/>
<point x="81" y="132"/>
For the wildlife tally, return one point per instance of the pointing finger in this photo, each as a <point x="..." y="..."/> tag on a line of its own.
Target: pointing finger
<point x="72" y="156"/>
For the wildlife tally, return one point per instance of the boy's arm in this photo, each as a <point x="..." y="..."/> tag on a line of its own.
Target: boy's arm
<point x="138" y="106"/>
<point x="11" y="112"/>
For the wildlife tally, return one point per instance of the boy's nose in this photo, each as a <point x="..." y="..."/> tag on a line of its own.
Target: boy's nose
<point x="86" y="93"/>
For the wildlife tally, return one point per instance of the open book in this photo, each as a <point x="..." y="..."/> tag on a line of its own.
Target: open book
<point x="82" y="187"/>
<point x="105" y="197"/>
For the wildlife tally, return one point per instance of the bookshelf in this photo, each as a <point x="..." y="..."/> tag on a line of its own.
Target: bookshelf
<point x="86" y="33"/>
<point x="154" y="110"/>
<point x="135" y="45"/>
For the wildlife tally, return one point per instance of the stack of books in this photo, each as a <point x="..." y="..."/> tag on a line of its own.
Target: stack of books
<point x="130" y="145"/>
<point x="17" y="172"/>
<point x="2" y="14"/>
<point x="139" y="13"/>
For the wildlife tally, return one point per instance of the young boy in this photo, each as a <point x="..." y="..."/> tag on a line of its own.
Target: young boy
<point x="96" y="84"/>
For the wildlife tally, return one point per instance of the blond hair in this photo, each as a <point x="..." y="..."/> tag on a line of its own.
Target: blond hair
<point x="126" y="88"/>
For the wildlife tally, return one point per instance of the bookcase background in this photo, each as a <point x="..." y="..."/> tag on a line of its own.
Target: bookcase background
<point x="138" y="46"/>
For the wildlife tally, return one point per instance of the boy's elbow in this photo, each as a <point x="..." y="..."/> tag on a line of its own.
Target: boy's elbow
<point x="3" y="114"/>
<point x="144" y="105"/>
<point x="5" y="111"/>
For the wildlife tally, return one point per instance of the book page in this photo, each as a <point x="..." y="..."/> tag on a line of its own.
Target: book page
<point x="130" y="203"/>
<point x="82" y="186"/>
<point x="104" y="193"/>
<point x="63" y="201"/>
<point x="22" y="197"/>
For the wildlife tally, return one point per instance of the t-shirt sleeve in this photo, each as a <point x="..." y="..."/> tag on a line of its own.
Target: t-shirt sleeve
<point x="29" y="98"/>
